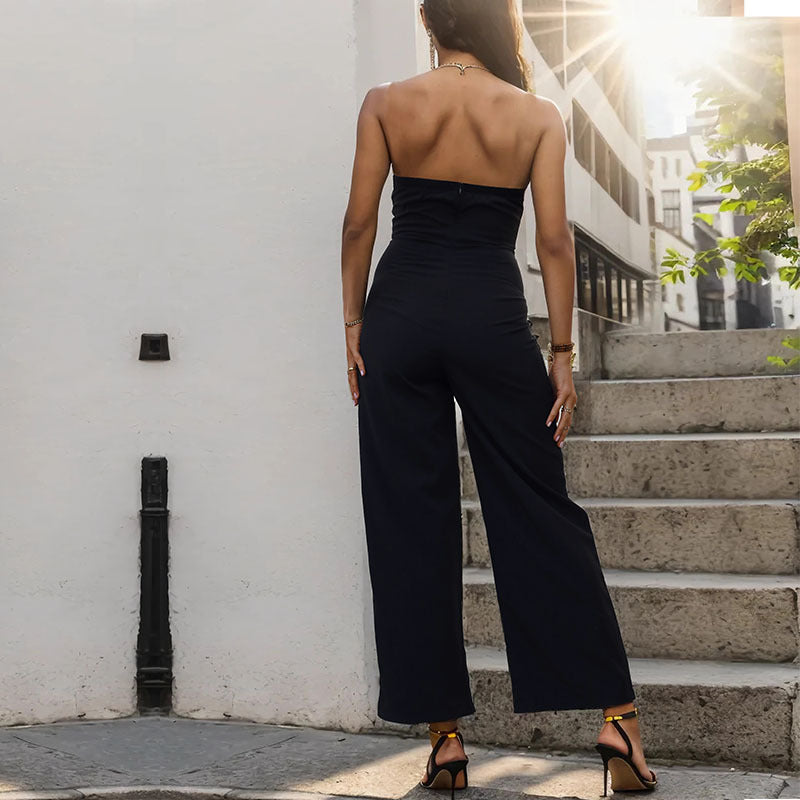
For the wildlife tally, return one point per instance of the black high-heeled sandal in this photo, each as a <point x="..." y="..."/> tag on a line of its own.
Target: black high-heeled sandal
<point x="438" y="773"/>
<point x="625" y="775"/>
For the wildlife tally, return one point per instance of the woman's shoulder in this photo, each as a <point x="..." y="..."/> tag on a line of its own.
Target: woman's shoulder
<point x="398" y="85"/>
<point x="380" y="92"/>
<point x="398" y="94"/>
<point x="546" y="109"/>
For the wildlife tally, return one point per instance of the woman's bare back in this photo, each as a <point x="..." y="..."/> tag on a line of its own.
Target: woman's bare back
<point x="474" y="128"/>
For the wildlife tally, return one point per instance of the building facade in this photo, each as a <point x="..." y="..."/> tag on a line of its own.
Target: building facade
<point x="698" y="304"/>
<point x="710" y="301"/>
<point x="580" y="64"/>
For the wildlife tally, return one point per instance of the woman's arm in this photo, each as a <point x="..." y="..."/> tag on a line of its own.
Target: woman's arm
<point x="370" y="168"/>
<point x="556" y="251"/>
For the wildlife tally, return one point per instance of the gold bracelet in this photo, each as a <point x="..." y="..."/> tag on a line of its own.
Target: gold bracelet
<point x="550" y="356"/>
<point x="354" y="322"/>
<point x="562" y="348"/>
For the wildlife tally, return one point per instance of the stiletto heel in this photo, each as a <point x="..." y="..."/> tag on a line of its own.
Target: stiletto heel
<point x="437" y="771"/>
<point x="625" y="775"/>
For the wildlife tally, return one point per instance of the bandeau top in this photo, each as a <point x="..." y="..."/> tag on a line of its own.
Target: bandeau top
<point x="455" y="213"/>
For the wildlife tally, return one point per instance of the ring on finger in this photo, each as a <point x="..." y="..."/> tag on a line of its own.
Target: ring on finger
<point x="350" y="369"/>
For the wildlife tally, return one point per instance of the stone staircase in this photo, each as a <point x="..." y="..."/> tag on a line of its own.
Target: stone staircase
<point x="687" y="459"/>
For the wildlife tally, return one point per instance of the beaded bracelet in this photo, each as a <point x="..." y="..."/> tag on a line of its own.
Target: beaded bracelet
<point x="354" y="322"/>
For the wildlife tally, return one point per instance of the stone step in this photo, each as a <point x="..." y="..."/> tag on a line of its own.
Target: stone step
<point x="736" y="536"/>
<point x="693" y="354"/>
<point x="722" y="713"/>
<point x="688" y="405"/>
<point x="698" y="465"/>
<point x="730" y="617"/>
<point x="717" y="465"/>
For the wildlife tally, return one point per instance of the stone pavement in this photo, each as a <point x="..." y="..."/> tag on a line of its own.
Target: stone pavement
<point x="171" y="757"/>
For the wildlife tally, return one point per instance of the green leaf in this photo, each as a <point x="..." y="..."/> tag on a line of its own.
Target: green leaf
<point x="791" y="341"/>
<point x="668" y="276"/>
<point x="782" y="362"/>
<point x="746" y="98"/>
<point x="731" y="204"/>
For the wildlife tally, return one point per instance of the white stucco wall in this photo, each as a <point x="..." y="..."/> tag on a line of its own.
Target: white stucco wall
<point x="179" y="167"/>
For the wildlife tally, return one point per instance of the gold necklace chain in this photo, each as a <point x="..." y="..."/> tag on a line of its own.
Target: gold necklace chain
<point x="462" y="67"/>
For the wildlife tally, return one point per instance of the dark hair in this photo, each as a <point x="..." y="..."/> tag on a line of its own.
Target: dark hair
<point x="489" y="29"/>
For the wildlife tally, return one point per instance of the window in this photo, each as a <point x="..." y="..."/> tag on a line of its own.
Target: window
<point x="664" y="166"/>
<point x="601" y="154"/>
<point x="678" y="168"/>
<point x="671" y="203"/>
<point x="606" y="285"/>
<point x="602" y="304"/>
<point x="712" y="313"/>
<point x="584" y="278"/>
<point x="583" y="137"/>
<point x="679" y="301"/>
<point x="615" y="180"/>
<point x="630" y="195"/>
<point x="634" y="198"/>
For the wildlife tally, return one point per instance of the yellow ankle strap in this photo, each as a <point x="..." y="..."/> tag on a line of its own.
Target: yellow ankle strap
<point x="449" y="734"/>
<point x="626" y="715"/>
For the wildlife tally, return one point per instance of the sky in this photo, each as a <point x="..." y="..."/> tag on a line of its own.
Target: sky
<point x="771" y="8"/>
<point x="666" y="38"/>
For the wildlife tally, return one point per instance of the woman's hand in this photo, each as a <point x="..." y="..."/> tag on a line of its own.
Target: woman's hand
<point x="353" y="338"/>
<point x="564" y="388"/>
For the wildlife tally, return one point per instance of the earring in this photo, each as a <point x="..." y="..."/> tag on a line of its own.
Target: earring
<point x="433" y="49"/>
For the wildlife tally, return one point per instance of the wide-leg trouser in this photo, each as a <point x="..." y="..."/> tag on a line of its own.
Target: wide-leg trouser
<point x="457" y="329"/>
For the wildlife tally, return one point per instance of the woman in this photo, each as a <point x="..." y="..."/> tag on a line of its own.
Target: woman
<point x="445" y="319"/>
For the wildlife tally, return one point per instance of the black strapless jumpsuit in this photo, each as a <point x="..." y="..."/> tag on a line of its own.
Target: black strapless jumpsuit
<point x="446" y="318"/>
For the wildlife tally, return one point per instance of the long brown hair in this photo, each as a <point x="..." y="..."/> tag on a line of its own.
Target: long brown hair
<point x="489" y="29"/>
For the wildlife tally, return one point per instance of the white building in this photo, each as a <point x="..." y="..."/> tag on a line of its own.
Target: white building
<point x="709" y="301"/>
<point x="672" y="159"/>
<point x="606" y="170"/>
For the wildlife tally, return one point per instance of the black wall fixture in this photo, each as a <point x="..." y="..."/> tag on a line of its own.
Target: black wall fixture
<point x="154" y="347"/>
<point x="154" y="645"/>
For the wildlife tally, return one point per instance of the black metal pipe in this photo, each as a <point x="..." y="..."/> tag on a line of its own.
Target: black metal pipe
<point x="154" y="645"/>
